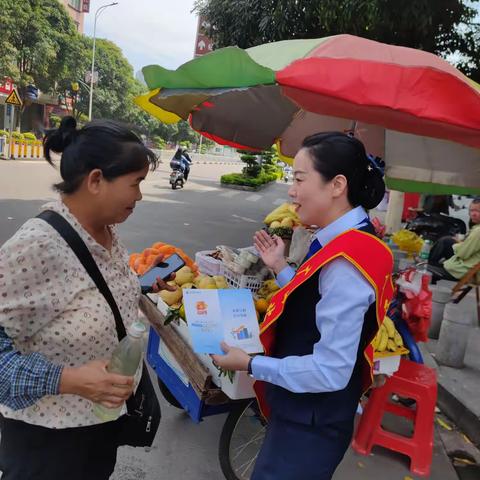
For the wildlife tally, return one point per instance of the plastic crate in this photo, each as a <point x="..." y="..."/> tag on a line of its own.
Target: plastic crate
<point x="236" y="280"/>
<point x="208" y="265"/>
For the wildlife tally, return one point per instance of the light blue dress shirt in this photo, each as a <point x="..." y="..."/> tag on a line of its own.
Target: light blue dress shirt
<point x="345" y="298"/>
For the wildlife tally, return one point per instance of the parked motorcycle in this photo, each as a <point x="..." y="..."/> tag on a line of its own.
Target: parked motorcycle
<point x="433" y="226"/>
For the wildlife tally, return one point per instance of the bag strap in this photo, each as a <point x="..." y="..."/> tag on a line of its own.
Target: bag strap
<point x="69" y="234"/>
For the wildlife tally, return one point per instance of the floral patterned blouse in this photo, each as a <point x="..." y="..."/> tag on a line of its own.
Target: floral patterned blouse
<point x="52" y="315"/>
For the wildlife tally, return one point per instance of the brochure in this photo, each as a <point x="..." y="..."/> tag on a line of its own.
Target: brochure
<point x="226" y="315"/>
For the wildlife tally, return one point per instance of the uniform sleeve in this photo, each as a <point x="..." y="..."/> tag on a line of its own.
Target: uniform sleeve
<point x="345" y="299"/>
<point x="285" y="276"/>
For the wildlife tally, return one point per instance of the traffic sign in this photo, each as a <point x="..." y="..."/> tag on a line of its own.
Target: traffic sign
<point x="13" y="99"/>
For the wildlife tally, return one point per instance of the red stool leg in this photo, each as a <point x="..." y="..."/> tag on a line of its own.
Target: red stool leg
<point x="421" y="457"/>
<point x="371" y="419"/>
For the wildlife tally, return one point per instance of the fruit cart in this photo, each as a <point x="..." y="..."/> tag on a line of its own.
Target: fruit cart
<point x="187" y="383"/>
<point x="192" y="382"/>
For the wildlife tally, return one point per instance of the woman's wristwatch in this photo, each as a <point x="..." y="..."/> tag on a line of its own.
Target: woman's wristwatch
<point x="249" y="368"/>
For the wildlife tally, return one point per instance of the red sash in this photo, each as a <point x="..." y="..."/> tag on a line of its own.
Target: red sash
<point x="371" y="257"/>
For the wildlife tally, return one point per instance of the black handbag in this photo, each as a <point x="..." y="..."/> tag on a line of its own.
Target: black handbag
<point x="138" y="427"/>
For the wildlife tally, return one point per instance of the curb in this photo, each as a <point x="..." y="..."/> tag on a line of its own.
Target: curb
<point x="452" y="406"/>
<point x="244" y="187"/>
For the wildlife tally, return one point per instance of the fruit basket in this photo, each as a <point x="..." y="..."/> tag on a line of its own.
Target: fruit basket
<point x="237" y="280"/>
<point x="207" y="264"/>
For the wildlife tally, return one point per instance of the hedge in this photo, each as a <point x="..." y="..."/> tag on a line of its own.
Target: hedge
<point x="239" y="179"/>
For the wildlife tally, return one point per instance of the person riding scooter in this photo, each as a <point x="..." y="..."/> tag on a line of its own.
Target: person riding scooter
<point x="186" y="162"/>
<point x="181" y="161"/>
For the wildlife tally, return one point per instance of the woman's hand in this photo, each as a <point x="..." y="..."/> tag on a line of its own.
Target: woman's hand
<point x="271" y="249"/>
<point x="93" y="382"/>
<point x="161" y="284"/>
<point x="234" y="358"/>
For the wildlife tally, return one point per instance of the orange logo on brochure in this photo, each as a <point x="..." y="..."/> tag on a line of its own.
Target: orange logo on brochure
<point x="201" y="308"/>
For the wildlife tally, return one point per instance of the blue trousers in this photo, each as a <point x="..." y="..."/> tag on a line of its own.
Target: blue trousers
<point x="294" y="451"/>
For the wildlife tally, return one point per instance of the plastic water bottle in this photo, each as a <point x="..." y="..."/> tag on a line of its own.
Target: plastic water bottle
<point x="125" y="361"/>
<point x="425" y="253"/>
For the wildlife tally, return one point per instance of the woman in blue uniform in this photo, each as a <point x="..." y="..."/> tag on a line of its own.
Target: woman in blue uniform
<point x="319" y="326"/>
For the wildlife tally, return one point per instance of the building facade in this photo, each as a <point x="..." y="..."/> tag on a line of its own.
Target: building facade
<point x="77" y="9"/>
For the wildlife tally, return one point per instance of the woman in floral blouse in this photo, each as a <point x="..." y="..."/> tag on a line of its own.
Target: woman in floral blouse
<point x="56" y="329"/>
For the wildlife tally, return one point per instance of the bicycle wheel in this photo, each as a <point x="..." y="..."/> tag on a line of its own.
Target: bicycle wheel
<point x="241" y="439"/>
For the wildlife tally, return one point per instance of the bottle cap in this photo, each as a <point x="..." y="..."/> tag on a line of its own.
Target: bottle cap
<point x="137" y="329"/>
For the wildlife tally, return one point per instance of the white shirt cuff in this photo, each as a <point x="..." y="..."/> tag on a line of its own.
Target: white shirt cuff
<point x="265" y="368"/>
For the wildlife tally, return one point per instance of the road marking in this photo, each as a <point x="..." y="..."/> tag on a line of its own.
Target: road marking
<point x="253" y="198"/>
<point x="230" y="193"/>
<point x="279" y="201"/>
<point x="151" y="198"/>
<point x="245" y="219"/>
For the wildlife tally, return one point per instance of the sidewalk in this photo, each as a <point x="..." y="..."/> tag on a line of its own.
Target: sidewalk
<point x="383" y="464"/>
<point x="459" y="388"/>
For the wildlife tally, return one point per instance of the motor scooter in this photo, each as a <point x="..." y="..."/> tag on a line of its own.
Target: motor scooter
<point x="177" y="179"/>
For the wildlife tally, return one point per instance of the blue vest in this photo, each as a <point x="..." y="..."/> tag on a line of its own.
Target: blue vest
<point x="296" y="334"/>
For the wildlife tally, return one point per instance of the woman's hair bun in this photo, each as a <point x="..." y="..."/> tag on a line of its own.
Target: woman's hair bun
<point x="57" y="140"/>
<point x="373" y="188"/>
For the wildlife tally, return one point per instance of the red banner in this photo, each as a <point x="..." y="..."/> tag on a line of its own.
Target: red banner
<point x="6" y="86"/>
<point x="85" y="6"/>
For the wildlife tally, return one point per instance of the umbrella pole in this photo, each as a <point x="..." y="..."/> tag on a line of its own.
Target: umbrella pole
<point x="393" y="219"/>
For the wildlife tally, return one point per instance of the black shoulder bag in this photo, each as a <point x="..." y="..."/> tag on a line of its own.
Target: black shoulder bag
<point x="139" y="426"/>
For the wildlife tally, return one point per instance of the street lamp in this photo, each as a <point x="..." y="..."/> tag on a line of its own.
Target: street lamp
<point x="97" y="14"/>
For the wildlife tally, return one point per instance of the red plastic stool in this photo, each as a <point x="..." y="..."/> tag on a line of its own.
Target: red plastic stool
<point x="415" y="381"/>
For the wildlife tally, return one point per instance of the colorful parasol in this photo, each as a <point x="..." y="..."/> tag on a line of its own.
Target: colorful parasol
<point x="408" y="106"/>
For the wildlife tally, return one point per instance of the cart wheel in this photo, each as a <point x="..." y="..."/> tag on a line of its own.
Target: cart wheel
<point x="240" y="441"/>
<point x="168" y="395"/>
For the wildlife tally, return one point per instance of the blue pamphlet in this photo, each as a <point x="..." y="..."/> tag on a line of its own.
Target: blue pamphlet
<point x="226" y="315"/>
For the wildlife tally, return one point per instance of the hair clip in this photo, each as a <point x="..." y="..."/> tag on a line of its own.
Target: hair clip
<point x="377" y="163"/>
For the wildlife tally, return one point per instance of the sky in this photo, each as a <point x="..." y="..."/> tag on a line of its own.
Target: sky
<point x="148" y="31"/>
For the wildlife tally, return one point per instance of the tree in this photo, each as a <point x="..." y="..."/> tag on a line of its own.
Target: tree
<point x="444" y="27"/>
<point x="38" y="43"/>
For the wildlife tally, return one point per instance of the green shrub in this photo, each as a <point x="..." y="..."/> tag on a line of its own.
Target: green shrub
<point x="159" y="142"/>
<point x="4" y="133"/>
<point x="29" y="136"/>
<point x="55" y="121"/>
<point x="240" y="179"/>
<point x="252" y="171"/>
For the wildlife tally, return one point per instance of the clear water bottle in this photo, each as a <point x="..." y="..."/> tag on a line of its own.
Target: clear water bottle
<point x="425" y="253"/>
<point x="125" y="361"/>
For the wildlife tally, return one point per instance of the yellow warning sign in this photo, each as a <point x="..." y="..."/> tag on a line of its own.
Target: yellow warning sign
<point x="14" y="99"/>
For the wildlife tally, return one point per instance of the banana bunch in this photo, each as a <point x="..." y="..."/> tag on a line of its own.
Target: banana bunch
<point x="283" y="216"/>
<point x="408" y="241"/>
<point x="268" y="289"/>
<point x="387" y="338"/>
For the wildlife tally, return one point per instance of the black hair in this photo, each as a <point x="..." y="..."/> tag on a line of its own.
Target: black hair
<point x="178" y="154"/>
<point x="107" y="145"/>
<point x="476" y="200"/>
<point x="336" y="153"/>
